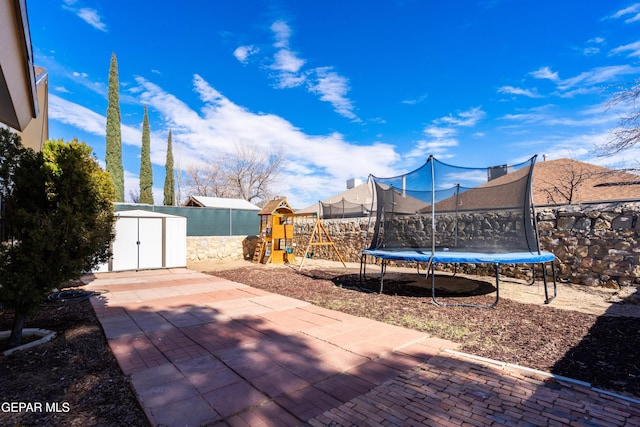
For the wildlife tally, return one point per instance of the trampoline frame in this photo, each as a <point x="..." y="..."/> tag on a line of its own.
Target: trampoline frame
<point x="444" y="256"/>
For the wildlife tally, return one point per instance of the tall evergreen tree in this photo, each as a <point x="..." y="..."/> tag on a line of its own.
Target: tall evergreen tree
<point x="169" y="186"/>
<point x="114" y="140"/>
<point x="146" y="176"/>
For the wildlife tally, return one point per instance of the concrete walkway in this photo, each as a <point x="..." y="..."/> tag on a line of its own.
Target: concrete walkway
<point x="201" y="350"/>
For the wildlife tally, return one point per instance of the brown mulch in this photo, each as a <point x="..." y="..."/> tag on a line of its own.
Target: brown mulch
<point x="74" y="378"/>
<point x="77" y="370"/>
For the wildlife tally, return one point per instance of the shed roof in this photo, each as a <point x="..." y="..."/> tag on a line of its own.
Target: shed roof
<point x="140" y="213"/>
<point x="220" y="202"/>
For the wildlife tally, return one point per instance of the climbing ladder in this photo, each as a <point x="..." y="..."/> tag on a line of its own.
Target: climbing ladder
<point x="260" y="249"/>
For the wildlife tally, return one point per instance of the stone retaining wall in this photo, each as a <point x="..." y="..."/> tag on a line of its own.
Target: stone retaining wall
<point x="595" y="244"/>
<point x="205" y="248"/>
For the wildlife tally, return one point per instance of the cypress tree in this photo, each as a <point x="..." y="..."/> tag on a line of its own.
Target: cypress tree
<point x="113" y="156"/>
<point x="169" y="190"/>
<point x="146" y="178"/>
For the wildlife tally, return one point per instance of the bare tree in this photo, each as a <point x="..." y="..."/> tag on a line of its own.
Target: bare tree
<point x="566" y="184"/>
<point x="627" y="134"/>
<point x="205" y="181"/>
<point x="248" y="173"/>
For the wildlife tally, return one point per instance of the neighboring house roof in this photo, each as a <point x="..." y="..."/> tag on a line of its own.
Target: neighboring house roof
<point x="360" y="194"/>
<point x="591" y="183"/>
<point x="18" y="98"/>
<point x="221" y="203"/>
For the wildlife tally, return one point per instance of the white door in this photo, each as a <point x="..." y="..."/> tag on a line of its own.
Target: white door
<point x="125" y="245"/>
<point x="149" y="243"/>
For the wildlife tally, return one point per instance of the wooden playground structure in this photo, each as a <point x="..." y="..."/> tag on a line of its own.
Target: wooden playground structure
<point x="276" y="242"/>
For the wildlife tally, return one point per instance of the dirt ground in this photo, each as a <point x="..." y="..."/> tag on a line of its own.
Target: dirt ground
<point x="584" y="299"/>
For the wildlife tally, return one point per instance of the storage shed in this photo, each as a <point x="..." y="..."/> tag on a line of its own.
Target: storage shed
<point x="147" y="240"/>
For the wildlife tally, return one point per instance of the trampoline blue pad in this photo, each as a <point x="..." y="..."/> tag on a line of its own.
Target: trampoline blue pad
<point x="463" y="257"/>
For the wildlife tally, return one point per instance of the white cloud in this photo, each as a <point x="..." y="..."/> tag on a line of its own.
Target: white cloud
<point x="524" y="117"/>
<point x="242" y="53"/>
<point x="438" y="148"/>
<point x="87" y="120"/>
<point x="282" y="33"/>
<point x="287" y="69"/>
<point x="416" y="100"/>
<point x="441" y="134"/>
<point x="633" y="10"/>
<point x="590" y="50"/>
<point x="317" y="163"/>
<point x="287" y="61"/>
<point x="91" y="17"/>
<point x="593" y="46"/>
<point x="88" y="15"/>
<point x="466" y="118"/>
<point x="545" y="73"/>
<point x="587" y="82"/>
<point x="597" y="76"/>
<point x="519" y="91"/>
<point x="633" y="47"/>
<point x="76" y="115"/>
<point x="333" y="89"/>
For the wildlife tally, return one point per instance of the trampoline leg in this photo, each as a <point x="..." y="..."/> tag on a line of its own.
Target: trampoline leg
<point x="547" y="300"/>
<point x="383" y="267"/>
<point x="497" y="286"/>
<point x="533" y="275"/>
<point x="430" y="270"/>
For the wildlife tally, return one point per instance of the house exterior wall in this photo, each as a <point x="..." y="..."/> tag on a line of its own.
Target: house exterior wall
<point x="18" y="103"/>
<point x="37" y="131"/>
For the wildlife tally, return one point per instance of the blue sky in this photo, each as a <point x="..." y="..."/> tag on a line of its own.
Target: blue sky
<point x="344" y="88"/>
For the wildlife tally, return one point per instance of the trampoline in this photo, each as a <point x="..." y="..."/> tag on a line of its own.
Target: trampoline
<point x="440" y="213"/>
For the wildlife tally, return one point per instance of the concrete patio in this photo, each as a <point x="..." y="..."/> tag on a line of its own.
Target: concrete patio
<point x="202" y="350"/>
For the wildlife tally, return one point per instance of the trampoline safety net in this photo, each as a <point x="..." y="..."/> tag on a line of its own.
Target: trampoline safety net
<point x="343" y="209"/>
<point x="440" y="207"/>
